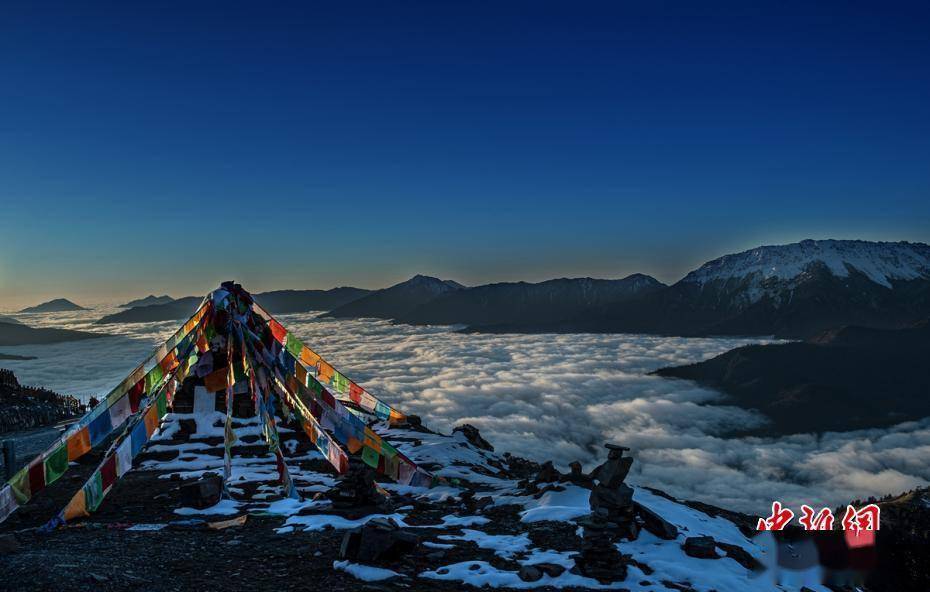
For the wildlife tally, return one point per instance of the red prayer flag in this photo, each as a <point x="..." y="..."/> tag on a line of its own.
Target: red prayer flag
<point x="37" y="477"/>
<point x="108" y="472"/>
<point x="279" y="332"/>
<point x="329" y="399"/>
<point x="135" y="395"/>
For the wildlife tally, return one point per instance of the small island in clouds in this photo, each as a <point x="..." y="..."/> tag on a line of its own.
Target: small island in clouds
<point x="56" y="305"/>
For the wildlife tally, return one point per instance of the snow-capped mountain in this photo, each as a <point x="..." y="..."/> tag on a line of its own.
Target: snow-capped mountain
<point x="792" y="291"/>
<point x="770" y="270"/>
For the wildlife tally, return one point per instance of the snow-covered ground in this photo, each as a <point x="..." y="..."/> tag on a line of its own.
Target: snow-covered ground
<point x="553" y="397"/>
<point x="658" y="561"/>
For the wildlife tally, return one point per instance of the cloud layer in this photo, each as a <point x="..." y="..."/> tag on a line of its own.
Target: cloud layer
<point x="560" y="397"/>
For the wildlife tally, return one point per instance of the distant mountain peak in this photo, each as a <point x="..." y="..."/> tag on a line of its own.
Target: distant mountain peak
<point x="56" y="305"/>
<point x="148" y="301"/>
<point x="427" y="280"/>
<point x="881" y="262"/>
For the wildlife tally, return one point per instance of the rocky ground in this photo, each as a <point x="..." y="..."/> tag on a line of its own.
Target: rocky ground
<point x="498" y="520"/>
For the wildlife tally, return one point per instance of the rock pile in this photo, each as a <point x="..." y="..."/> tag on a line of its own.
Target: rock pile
<point x="612" y="518"/>
<point x="356" y="493"/>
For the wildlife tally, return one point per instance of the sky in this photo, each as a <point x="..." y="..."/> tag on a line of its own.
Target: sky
<point x="169" y="146"/>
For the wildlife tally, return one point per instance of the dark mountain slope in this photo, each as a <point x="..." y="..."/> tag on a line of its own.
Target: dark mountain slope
<point x="181" y="308"/>
<point x="846" y="379"/>
<point x="525" y="303"/>
<point x="56" y="305"/>
<point x="18" y="334"/>
<point x="288" y="301"/>
<point x="397" y="301"/>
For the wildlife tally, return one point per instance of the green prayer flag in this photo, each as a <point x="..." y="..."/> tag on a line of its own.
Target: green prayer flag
<point x="162" y="404"/>
<point x="56" y="464"/>
<point x="340" y="382"/>
<point x="20" y="485"/>
<point x="387" y="450"/>
<point x="370" y="457"/>
<point x="293" y="345"/>
<point x="93" y="492"/>
<point x="153" y="378"/>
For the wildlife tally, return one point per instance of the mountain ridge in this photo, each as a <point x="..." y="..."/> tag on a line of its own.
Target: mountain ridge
<point x="550" y="300"/>
<point x="395" y="301"/>
<point x="148" y="301"/>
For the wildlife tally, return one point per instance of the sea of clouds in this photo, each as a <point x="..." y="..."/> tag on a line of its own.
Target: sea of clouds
<point x="557" y="397"/>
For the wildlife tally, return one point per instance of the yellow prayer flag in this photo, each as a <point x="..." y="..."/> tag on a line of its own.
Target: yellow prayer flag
<point x="76" y="508"/>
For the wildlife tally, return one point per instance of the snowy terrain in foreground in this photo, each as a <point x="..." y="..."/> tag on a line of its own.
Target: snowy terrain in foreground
<point x="460" y="459"/>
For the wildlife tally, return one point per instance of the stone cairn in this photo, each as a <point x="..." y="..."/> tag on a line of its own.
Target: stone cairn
<point x="612" y="518"/>
<point x="356" y="492"/>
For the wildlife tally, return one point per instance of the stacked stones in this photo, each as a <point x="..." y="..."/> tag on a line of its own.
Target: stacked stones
<point x="356" y="493"/>
<point x="612" y="518"/>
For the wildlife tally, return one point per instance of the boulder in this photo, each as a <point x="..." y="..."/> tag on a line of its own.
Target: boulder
<point x="656" y="524"/>
<point x="553" y="570"/>
<point x="614" y="471"/>
<point x="202" y="493"/>
<point x="378" y="539"/>
<point x="472" y="434"/>
<point x="529" y="573"/>
<point x="702" y="547"/>
<point x="548" y="473"/>
<point x="611" y="499"/>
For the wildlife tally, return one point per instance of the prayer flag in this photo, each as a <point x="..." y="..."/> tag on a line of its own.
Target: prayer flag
<point x="277" y="331"/>
<point x="309" y="357"/>
<point x="370" y="456"/>
<point x="153" y="379"/>
<point x="119" y="412"/>
<point x="161" y="404"/>
<point x="56" y="464"/>
<point x="216" y="380"/>
<point x="76" y="508"/>
<point x="340" y="382"/>
<point x="108" y="472"/>
<point x="139" y="437"/>
<point x="93" y="492"/>
<point x="20" y="485"/>
<point x="7" y="502"/>
<point x="78" y="443"/>
<point x="326" y="373"/>
<point x="135" y="395"/>
<point x="151" y="421"/>
<point x="124" y="457"/>
<point x="100" y="427"/>
<point x="293" y="346"/>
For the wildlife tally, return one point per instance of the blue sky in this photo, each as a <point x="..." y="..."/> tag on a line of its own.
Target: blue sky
<point x="165" y="148"/>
